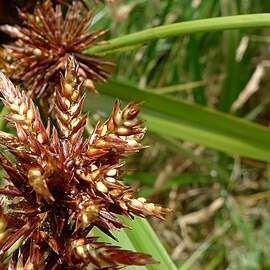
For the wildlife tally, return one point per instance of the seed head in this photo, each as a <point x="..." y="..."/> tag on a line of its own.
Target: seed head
<point x="62" y="185"/>
<point x="43" y="45"/>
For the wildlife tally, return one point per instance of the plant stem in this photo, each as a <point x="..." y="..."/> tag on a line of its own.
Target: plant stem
<point x="183" y="28"/>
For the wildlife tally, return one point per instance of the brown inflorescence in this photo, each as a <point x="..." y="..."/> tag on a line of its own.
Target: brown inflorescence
<point x="61" y="185"/>
<point x="43" y="45"/>
<point x="29" y="4"/>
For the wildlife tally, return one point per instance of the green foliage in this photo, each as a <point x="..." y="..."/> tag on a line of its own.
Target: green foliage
<point x="207" y="161"/>
<point x="171" y="55"/>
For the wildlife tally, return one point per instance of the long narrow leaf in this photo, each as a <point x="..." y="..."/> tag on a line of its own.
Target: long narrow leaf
<point x="196" y="123"/>
<point x="177" y="29"/>
<point x="141" y="238"/>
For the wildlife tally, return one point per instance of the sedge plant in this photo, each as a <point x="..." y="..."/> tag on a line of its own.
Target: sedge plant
<point x="61" y="185"/>
<point x="170" y="119"/>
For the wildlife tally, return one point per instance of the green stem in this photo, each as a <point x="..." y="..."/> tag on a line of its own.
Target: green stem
<point x="2" y="119"/>
<point x="183" y="28"/>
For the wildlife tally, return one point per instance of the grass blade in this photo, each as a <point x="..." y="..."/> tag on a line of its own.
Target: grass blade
<point x="195" y="123"/>
<point x="141" y="238"/>
<point x="177" y="29"/>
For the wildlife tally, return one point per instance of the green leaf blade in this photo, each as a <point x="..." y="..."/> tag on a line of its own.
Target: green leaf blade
<point x="259" y="20"/>
<point x="198" y="124"/>
<point x="141" y="238"/>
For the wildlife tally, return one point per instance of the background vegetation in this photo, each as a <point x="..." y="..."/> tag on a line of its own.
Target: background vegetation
<point x="210" y="167"/>
<point x="205" y="87"/>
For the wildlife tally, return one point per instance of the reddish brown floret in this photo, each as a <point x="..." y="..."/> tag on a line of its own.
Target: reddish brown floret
<point x="62" y="185"/>
<point x="43" y="45"/>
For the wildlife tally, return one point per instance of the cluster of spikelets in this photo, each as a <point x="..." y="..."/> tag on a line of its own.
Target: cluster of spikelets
<point x="29" y="4"/>
<point x="43" y="44"/>
<point x="59" y="184"/>
<point x="62" y="185"/>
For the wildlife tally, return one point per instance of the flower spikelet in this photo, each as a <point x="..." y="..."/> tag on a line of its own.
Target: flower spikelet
<point x="61" y="185"/>
<point x="30" y="3"/>
<point x="43" y="45"/>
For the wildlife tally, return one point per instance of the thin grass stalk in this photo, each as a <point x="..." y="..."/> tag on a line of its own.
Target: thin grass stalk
<point x="259" y="20"/>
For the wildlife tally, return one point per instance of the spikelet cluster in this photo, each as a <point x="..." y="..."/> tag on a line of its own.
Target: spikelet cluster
<point x="62" y="185"/>
<point x="43" y="44"/>
<point x="29" y="3"/>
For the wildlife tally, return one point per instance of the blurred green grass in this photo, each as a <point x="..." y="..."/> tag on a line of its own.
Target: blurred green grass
<point x="190" y="85"/>
<point x="209" y="69"/>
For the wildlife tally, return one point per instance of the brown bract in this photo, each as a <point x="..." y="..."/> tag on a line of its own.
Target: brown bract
<point x="43" y="45"/>
<point x="9" y="14"/>
<point x="62" y="185"/>
<point x="29" y="4"/>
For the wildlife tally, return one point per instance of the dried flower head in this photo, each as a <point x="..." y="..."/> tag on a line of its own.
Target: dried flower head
<point x="62" y="185"/>
<point x="29" y="4"/>
<point x="43" y="46"/>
